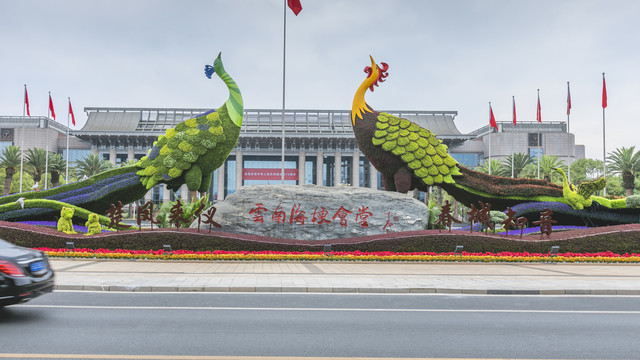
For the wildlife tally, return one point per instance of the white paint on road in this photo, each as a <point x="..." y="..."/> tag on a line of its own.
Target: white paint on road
<point x="230" y="308"/>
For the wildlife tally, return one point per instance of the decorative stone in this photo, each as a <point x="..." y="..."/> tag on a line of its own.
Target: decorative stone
<point x="312" y="212"/>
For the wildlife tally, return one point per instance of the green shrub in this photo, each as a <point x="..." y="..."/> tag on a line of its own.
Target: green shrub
<point x="633" y="201"/>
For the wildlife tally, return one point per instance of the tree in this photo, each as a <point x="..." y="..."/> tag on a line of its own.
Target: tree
<point x="91" y="165"/>
<point x="585" y="169"/>
<point x="548" y="164"/>
<point x="9" y="160"/>
<point x="519" y="161"/>
<point x="57" y="166"/>
<point x="625" y="162"/>
<point x="494" y="165"/>
<point x="36" y="159"/>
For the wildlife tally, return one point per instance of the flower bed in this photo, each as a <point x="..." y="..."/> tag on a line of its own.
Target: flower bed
<point x="602" y="257"/>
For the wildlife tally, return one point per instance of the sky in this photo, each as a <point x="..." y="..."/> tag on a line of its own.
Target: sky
<point x="453" y="55"/>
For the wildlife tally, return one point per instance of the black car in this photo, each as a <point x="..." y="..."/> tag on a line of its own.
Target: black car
<point x="24" y="274"/>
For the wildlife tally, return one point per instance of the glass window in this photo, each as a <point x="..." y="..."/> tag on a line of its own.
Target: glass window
<point x="345" y="170"/>
<point x="535" y="139"/>
<point x="535" y="152"/>
<point x="310" y="170"/>
<point x="231" y="176"/>
<point x="364" y="170"/>
<point x="469" y="160"/>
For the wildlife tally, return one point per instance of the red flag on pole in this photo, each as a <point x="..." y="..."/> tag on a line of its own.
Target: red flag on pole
<point x="492" y="119"/>
<point x="73" y="118"/>
<point x="26" y="100"/>
<point x="514" y="110"/>
<point x="568" y="99"/>
<point x="53" y="113"/>
<point x="295" y="6"/>
<point x="604" y="92"/>
<point x="539" y="115"/>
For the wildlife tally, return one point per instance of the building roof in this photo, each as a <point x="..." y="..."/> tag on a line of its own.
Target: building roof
<point x="256" y="122"/>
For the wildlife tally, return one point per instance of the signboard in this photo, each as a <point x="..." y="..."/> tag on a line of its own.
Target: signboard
<point x="269" y="174"/>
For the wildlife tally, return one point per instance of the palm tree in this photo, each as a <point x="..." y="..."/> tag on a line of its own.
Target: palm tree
<point x="57" y="166"/>
<point x="10" y="160"/>
<point x="516" y="162"/>
<point x="494" y="167"/>
<point x="626" y="163"/>
<point x="548" y="164"/>
<point x="91" y="165"/>
<point x="36" y="159"/>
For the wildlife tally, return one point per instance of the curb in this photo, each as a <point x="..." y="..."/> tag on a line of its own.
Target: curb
<point x="318" y="290"/>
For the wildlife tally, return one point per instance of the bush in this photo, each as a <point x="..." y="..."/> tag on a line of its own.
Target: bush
<point x="633" y="201"/>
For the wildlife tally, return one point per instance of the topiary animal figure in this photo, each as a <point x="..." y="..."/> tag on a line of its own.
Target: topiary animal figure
<point x="411" y="157"/>
<point x="187" y="153"/>
<point x="93" y="225"/>
<point x="64" y="223"/>
<point x="580" y="198"/>
<point x="190" y="152"/>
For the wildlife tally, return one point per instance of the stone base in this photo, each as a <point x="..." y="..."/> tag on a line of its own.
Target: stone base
<point x="312" y="212"/>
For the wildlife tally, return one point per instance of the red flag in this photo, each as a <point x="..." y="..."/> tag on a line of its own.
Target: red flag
<point x="26" y="100"/>
<point x="73" y="118"/>
<point x="604" y="92"/>
<point x="295" y="6"/>
<point x="568" y="99"/>
<point x="539" y="115"/>
<point x="53" y="113"/>
<point x="492" y="119"/>
<point x="514" y="110"/>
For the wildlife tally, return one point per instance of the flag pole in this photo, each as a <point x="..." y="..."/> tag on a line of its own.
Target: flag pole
<point x="513" y="98"/>
<point x="568" y="131"/>
<point x="604" y="146"/>
<point x="46" y="156"/>
<point x="284" y="57"/>
<point x="24" y="106"/>
<point x="66" y="178"/>
<point x="490" y="132"/>
<point x="539" y="118"/>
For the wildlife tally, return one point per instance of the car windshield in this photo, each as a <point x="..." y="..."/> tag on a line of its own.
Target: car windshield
<point x="5" y="245"/>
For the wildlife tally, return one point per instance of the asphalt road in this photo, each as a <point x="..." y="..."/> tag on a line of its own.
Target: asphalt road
<point x="203" y="325"/>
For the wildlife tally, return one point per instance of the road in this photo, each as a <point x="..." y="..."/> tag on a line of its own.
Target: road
<point x="253" y="326"/>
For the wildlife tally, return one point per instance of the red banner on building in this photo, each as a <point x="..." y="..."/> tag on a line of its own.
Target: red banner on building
<point x="269" y="174"/>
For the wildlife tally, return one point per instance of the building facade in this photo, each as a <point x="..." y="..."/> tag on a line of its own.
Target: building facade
<point x="319" y="146"/>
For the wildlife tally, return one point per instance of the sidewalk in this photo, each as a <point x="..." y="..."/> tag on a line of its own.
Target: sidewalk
<point x="347" y="277"/>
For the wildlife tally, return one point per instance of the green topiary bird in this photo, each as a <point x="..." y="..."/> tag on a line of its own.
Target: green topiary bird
<point x="580" y="198"/>
<point x="190" y="152"/>
<point x="187" y="153"/>
<point x="407" y="155"/>
<point x="411" y="157"/>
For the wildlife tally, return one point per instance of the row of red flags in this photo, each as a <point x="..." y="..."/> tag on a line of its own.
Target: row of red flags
<point x="492" y="119"/>
<point x="51" y="110"/>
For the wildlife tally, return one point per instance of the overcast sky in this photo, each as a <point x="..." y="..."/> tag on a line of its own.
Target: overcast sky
<point x="443" y="55"/>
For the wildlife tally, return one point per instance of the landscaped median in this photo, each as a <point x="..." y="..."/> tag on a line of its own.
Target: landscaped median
<point x="601" y="257"/>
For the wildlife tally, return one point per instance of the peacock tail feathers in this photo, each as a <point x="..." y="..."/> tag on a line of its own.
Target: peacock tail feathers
<point x="423" y="153"/>
<point x="588" y="188"/>
<point x="179" y="148"/>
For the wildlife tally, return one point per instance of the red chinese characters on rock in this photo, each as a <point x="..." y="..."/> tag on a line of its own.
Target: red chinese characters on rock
<point x="297" y="215"/>
<point x="342" y="215"/>
<point x="362" y="215"/>
<point x="319" y="216"/>
<point x="258" y="213"/>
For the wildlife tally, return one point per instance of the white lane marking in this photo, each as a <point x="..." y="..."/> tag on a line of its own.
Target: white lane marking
<point x="194" y="357"/>
<point x="235" y="308"/>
